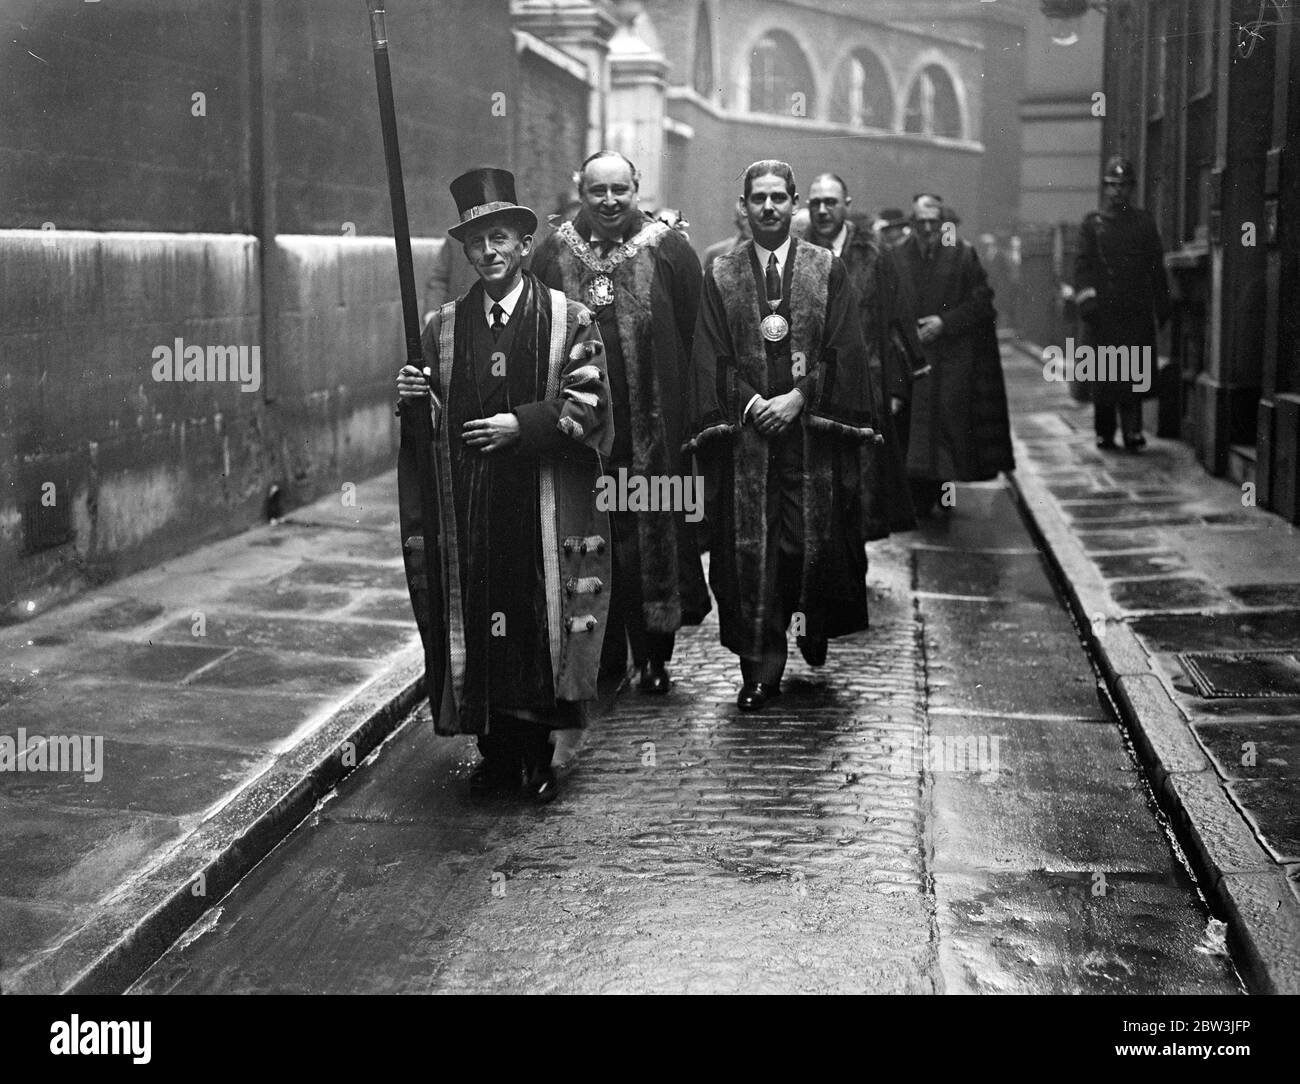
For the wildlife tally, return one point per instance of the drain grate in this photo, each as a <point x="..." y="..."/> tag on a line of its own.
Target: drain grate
<point x="1219" y="674"/>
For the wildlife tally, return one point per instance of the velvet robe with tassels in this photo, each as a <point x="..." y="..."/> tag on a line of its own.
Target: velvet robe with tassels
<point x="528" y="554"/>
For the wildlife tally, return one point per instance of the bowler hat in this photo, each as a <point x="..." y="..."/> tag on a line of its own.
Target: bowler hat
<point x="892" y="217"/>
<point x="487" y="191"/>
<point x="1119" y="168"/>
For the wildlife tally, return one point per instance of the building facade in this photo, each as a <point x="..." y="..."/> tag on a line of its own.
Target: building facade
<point x="1062" y="111"/>
<point x="1204" y="96"/>
<point x="896" y="97"/>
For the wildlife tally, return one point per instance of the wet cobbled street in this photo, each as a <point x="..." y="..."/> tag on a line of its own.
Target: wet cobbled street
<point x="946" y="806"/>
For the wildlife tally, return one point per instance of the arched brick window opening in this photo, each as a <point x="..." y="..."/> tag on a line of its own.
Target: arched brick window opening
<point x="932" y="107"/>
<point x="862" y="96"/>
<point x="780" y="80"/>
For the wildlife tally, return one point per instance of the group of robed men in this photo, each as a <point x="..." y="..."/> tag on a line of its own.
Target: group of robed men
<point x="786" y="375"/>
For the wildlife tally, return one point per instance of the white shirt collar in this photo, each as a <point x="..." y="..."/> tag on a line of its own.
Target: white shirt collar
<point x="781" y="253"/>
<point x="507" y="303"/>
<point x="841" y="239"/>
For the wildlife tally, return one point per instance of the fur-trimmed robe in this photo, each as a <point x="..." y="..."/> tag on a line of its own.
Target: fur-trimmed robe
<point x="544" y="565"/>
<point x="656" y="299"/>
<point x="731" y="365"/>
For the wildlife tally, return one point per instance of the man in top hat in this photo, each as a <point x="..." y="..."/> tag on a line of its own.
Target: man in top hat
<point x="641" y="279"/>
<point x="781" y="404"/>
<point x="960" y="428"/>
<point x="889" y="324"/>
<point x="522" y="416"/>
<point x="1122" y="292"/>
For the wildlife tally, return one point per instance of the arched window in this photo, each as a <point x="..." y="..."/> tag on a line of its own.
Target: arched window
<point x="780" y="80"/>
<point x="703" y="76"/>
<point x="932" y="104"/>
<point x="862" y="95"/>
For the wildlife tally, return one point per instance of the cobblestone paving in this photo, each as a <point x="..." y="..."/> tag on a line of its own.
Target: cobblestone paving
<point x="685" y="815"/>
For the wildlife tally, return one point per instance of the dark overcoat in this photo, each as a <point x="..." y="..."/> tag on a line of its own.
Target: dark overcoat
<point x="888" y="320"/>
<point x="960" y="426"/>
<point x="1121" y="289"/>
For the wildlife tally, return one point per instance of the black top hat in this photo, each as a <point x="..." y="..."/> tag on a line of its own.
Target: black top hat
<point x="1119" y="168"/>
<point x="487" y="191"/>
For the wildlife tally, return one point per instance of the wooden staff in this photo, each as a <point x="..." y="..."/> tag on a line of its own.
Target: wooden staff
<point x="418" y="483"/>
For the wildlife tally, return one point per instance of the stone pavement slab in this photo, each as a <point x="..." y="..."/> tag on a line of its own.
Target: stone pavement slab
<point x="209" y="699"/>
<point x="1174" y="573"/>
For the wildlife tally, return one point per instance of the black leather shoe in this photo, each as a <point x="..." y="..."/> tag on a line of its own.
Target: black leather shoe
<point x="654" y="679"/>
<point x="542" y="786"/>
<point x="494" y="776"/>
<point x="1106" y="444"/>
<point x="754" y="697"/>
<point x="1134" y="442"/>
<point x="812" y="650"/>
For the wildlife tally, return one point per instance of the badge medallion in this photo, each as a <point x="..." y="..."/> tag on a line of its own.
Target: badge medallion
<point x="774" y="328"/>
<point x="600" y="291"/>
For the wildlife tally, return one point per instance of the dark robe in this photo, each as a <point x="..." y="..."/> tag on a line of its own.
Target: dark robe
<point x="1121" y="265"/>
<point x="960" y="426"/>
<point x="527" y="550"/>
<point x="888" y="318"/>
<point x="647" y="330"/>
<point x="824" y="358"/>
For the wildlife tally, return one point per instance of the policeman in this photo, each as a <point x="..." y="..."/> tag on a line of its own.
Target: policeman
<point x="1122" y="292"/>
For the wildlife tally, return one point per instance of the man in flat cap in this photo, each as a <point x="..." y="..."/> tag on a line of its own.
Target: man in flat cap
<point x="891" y="226"/>
<point x="1122" y="292"/>
<point x="960" y="431"/>
<point x="641" y="279"/>
<point x="781" y="406"/>
<point x="522" y="416"/>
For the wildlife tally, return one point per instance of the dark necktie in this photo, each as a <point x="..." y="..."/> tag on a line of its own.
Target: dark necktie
<point x="498" y="320"/>
<point x="773" y="279"/>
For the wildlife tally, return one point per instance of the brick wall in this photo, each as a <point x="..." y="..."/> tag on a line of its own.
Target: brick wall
<point x="550" y="133"/>
<point x="99" y="130"/>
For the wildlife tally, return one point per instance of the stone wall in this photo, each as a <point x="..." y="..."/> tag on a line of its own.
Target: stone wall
<point x="211" y="171"/>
